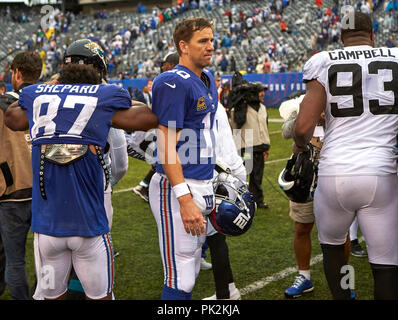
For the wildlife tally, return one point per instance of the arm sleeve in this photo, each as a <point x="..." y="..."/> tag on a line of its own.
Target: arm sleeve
<point x="118" y="154"/>
<point x="168" y="103"/>
<point x="116" y="97"/>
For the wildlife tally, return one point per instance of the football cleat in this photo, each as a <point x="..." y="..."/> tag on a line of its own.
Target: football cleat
<point x="356" y="249"/>
<point x="204" y="265"/>
<point x="234" y="295"/>
<point x="142" y="192"/>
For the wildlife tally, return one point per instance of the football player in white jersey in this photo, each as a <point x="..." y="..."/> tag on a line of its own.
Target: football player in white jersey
<point x="181" y="191"/>
<point x="357" y="88"/>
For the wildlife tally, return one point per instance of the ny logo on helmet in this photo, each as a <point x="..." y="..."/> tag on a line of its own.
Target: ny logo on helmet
<point x="241" y="220"/>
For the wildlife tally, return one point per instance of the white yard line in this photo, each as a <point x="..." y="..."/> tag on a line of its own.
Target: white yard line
<point x="280" y="275"/>
<point x="277" y="160"/>
<point x="276" y="120"/>
<point x="123" y="190"/>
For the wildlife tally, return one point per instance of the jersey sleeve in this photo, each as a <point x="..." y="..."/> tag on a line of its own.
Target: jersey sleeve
<point x="23" y="97"/>
<point x="116" y="97"/>
<point x="313" y="69"/>
<point x="168" y="102"/>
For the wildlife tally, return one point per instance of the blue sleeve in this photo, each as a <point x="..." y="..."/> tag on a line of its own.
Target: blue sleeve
<point x="168" y="102"/>
<point x="23" y="98"/>
<point x="116" y="97"/>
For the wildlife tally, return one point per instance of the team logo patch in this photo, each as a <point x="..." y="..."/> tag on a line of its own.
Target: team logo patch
<point x="201" y="104"/>
<point x="94" y="48"/>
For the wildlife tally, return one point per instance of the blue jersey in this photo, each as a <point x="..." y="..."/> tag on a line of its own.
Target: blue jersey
<point x="70" y="114"/>
<point x="181" y="100"/>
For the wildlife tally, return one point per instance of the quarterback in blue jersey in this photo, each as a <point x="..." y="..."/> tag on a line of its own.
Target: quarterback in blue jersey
<point x="181" y="193"/>
<point x="69" y="124"/>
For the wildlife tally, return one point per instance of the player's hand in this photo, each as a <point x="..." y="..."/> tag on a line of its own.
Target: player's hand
<point x="54" y="81"/>
<point x="192" y="218"/>
<point x="296" y="149"/>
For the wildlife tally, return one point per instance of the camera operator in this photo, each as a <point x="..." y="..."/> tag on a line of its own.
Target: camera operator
<point x="249" y="114"/>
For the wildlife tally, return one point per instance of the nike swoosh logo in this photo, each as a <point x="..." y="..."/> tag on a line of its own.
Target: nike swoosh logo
<point x="170" y="85"/>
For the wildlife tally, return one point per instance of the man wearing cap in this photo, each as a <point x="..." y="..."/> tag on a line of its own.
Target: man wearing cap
<point x="169" y="61"/>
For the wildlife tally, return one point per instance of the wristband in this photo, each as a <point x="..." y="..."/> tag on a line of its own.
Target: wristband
<point x="181" y="189"/>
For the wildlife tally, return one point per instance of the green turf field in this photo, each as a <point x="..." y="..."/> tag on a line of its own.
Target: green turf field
<point x="262" y="258"/>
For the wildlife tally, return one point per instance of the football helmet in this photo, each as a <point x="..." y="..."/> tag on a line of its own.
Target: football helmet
<point x="85" y="51"/>
<point x="298" y="179"/>
<point x="232" y="216"/>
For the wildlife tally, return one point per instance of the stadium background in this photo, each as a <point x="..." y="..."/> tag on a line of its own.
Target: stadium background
<point x="136" y="35"/>
<point x="263" y="259"/>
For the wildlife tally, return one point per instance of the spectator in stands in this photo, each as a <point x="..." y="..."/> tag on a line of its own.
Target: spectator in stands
<point x="390" y="42"/>
<point x="232" y="64"/>
<point x="226" y="40"/>
<point x="375" y="26"/>
<point x="223" y="63"/>
<point x="138" y="95"/>
<point x="147" y="95"/>
<point x="259" y="67"/>
<point x="365" y="7"/>
<point x="224" y="94"/>
<point x="275" y="66"/>
<point x="283" y="25"/>
<point x="7" y="74"/>
<point x="283" y="65"/>
<point x="251" y="66"/>
<point x="266" y="66"/>
<point x="218" y="57"/>
<point x="2" y="87"/>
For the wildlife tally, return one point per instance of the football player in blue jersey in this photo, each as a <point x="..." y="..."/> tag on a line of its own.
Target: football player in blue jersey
<point x="180" y="192"/>
<point x="69" y="124"/>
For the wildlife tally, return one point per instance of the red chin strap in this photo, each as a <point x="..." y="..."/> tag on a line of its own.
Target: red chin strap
<point x="214" y="222"/>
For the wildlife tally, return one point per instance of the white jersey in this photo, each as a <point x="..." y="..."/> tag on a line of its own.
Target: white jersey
<point x="225" y="145"/>
<point x="361" y="84"/>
